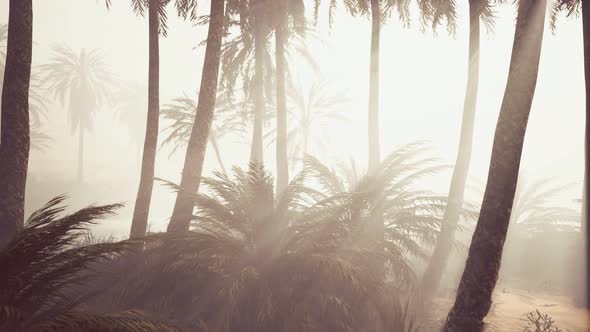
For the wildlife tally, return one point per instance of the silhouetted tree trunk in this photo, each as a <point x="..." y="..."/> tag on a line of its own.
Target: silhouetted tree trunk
<point x="373" y="118"/>
<point x="585" y="215"/>
<point x="256" y="153"/>
<point x="15" y="140"/>
<point x="474" y="296"/>
<point x="444" y="243"/>
<point x="282" y="157"/>
<point x="80" y="154"/>
<point x="197" y="144"/>
<point x="150" y="146"/>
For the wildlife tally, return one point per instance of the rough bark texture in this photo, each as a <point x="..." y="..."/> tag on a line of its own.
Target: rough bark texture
<point x="256" y="153"/>
<point x="585" y="221"/>
<point x="474" y="296"/>
<point x="444" y="243"/>
<point x="15" y="139"/>
<point x="195" y="152"/>
<point x="150" y="146"/>
<point x="282" y="157"/>
<point x="373" y="118"/>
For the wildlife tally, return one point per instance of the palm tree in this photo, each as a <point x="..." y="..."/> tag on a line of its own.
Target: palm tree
<point x="575" y="7"/>
<point x="15" y="139"/>
<point x="41" y="262"/>
<point x="398" y="217"/>
<point x="182" y="112"/>
<point x="129" y="101"/>
<point x="478" y="10"/>
<point x="82" y="82"/>
<point x="195" y="153"/>
<point x="474" y="296"/>
<point x="293" y="263"/>
<point x="312" y="111"/>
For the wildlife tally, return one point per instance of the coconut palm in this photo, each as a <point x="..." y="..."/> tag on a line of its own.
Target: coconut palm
<point x="479" y="10"/>
<point x="197" y="144"/>
<point x="574" y="7"/>
<point x="41" y="263"/>
<point x="474" y="296"/>
<point x="81" y="82"/>
<point x="14" y="150"/>
<point x="182" y="112"/>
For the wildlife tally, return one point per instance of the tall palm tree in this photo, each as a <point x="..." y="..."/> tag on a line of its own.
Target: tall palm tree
<point x="478" y="10"/>
<point x="15" y="139"/>
<point x="379" y="11"/>
<point x="197" y="144"/>
<point x="182" y="112"/>
<point x="157" y="17"/>
<point x="288" y="15"/>
<point x="474" y="296"/>
<point x="82" y="82"/>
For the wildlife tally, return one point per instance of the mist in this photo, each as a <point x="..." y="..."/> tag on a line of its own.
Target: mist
<point x="92" y="148"/>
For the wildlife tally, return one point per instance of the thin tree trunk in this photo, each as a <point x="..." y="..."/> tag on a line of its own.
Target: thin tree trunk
<point x="474" y="296"/>
<point x="585" y="220"/>
<point x="148" y="163"/>
<point x="15" y="140"/>
<point x="282" y="157"/>
<point x="215" y="146"/>
<point x="444" y="243"/>
<point x="80" y="154"/>
<point x="256" y="153"/>
<point x="373" y="118"/>
<point x="197" y="144"/>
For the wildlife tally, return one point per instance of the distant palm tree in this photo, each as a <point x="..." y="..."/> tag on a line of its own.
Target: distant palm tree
<point x="129" y="102"/>
<point x="15" y="139"/>
<point x="182" y="112"/>
<point x="474" y="295"/>
<point x="81" y="82"/>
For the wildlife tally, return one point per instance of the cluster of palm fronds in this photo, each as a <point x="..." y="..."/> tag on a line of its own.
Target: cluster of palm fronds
<point x="308" y="260"/>
<point x="41" y="267"/>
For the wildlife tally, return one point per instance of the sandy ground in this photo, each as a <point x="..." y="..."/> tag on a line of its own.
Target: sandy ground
<point x="510" y="307"/>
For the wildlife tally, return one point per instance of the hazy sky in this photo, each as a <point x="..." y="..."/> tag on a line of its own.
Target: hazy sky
<point x="423" y="79"/>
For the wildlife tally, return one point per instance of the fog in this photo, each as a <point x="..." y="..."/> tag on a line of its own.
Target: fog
<point x="423" y="76"/>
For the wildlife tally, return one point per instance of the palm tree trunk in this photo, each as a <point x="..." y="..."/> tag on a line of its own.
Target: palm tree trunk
<point x="585" y="206"/>
<point x="15" y="140"/>
<point x="215" y="145"/>
<point x="256" y="153"/>
<point x="373" y="119"/>
<point x="80" y="154"/>
<point x="282" y="157"/>
<point x="474" y="296"/>
<point x="148" y="163"/>
<point x="444" y="243"/>
<point x="197" y="144"/>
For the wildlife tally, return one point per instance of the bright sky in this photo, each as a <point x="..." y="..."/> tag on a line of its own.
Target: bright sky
<point x="423" y="79"/>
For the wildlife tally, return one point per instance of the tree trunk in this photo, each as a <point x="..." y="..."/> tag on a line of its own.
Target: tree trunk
<point x="215" y="146"/>
<point x="80" y="154"/>
<point x="15" y="140"/>
<point x="256" y="153"/>
<point x="474" y="296"/>
<point x="197" y="144"/>
<point x="444" y="243"/>
<point x="148" y="163"/>
<point x="373" y="118"/>
<point x="585" y="221"/>
<point x="282" y="157"/>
